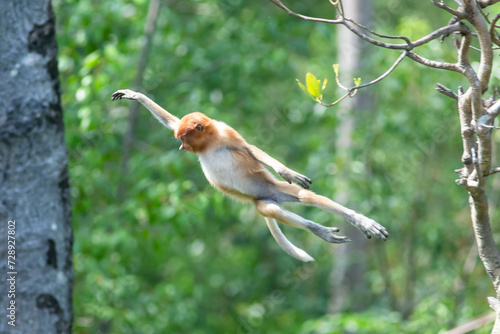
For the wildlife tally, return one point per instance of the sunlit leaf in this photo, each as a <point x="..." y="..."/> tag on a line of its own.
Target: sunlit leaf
<point x="313" y="85"/>
<point x="336" y="68"/>
<point x="301" y="85"/>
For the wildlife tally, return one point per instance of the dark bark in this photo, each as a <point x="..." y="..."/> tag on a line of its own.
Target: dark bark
<point x="34" y="184"/>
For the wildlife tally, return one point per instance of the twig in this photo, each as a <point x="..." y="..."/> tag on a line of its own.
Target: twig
<point x="448" y="9"/>
<point x="446" y="91"/>
<point x="406" y="39"/>
<point x="494" y="171"/>
<point x="350" y="24"/>
<point x="493" y="34"/>
<point x="333" y="103"/>
<point x="400" y="58"/>
<point x="304" y="17"/>
<point x="473" y="324"/>
<point x="433" y="63"/>
<point x="486" y="3"/>
<point x="352" y="91"/>
<point x="490" y="126"/>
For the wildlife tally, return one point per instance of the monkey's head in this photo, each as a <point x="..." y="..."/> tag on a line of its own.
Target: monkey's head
<point x="195" y="131"/>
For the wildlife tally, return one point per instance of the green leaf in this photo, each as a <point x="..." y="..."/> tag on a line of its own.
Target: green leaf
<point x="313" y="85"/>
<point x="357" y="81"/>
<point x="324" y="85"/>
<point x="302" y="86"/>
<point x="336" y="68"/>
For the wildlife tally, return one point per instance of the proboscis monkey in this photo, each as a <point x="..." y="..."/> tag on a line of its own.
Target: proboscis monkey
<point x="237" y="169"/>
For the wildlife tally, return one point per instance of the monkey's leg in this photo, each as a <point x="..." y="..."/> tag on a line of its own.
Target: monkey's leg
<point x="364" y="224"/>
<point x="271" y="209"/>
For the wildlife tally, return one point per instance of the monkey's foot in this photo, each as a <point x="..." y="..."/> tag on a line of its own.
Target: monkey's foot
<point x="326" y="233"/>
<point x="292" y="176"/>
<point x="367" y="226"/>
<point x="124" y="94"/>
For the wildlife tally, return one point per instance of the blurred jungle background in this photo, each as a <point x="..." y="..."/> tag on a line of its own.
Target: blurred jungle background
<point x="157" y="250"/>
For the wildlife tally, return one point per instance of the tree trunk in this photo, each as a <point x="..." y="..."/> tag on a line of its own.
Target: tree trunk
<point x="346" y="279"/>
<point x="35" y="208"/>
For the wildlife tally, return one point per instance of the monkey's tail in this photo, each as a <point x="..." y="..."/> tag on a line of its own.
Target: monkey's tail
<point x="285" y="243"/>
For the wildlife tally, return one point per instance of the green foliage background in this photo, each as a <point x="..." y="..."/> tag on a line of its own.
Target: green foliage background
<point x="175" y="256"/>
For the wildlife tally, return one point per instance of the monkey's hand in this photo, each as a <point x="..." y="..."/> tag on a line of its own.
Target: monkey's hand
<point x="124" y="94"/>
<point x="291" y="176"/>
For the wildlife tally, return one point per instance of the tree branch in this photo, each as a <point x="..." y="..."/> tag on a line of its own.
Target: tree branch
<point x="351" y="25"/>
<point x="494" y="110"/>
<point x="351" y="91"/>
<point x="433" y="63"/>
<point x="454" y="12"/>
<point x="486" y="3"/>
<point x="396" y="63"/>
<point x="494" y="171"/>
<point x="304" y="17"/>
<point x="493" y="36"/>
<point x="446" y="91"/>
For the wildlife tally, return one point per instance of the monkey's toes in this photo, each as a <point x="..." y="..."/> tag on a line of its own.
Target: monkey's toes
<point x="379" y="231"/>
<point x="336" y="239"/>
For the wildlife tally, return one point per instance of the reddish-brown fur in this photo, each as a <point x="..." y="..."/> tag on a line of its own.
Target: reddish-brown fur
<point x="237" y="169"/>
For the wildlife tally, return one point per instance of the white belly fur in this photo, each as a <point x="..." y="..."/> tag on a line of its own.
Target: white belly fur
<point x="223" y="172"/>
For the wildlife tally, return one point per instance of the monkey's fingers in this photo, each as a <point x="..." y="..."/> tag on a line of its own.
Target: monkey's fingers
<point x="300" y="179"/>
<point x="116" y="96"/>
<point x="329" y="236"/>
<point x="304" y="181"/>
<point x="123" y="94"/>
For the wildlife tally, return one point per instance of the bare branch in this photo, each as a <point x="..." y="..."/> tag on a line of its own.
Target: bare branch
<point x="378" y="34"/>
<point x="352" y="91"/>
<point x="465" y="115"/>
<point x="455" y="27"/>
<point x="396" y="63"/>
<point x="463" y="51"/>
<point x="304" y="17"/>
<point x="446" y="30"/>
<point x="493" y="34"/>
<point x="486" y="3"/>
<point x="446" y="91"/>
<point x="491" y="126"/>
<point x="433" y="63"/>
<point x="352" y="25"/>
<point x="484" y="38"/>
<point x="494" y="110"/>
<point x="448" y="9"/>
<point x="335" y="102"/>
<point x="494" y="171"/>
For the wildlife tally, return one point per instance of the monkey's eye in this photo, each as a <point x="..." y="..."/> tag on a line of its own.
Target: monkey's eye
<point x="199" y="127"/>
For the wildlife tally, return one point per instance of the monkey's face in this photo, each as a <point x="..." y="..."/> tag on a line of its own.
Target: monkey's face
<point x="194" y="131"/>
<point x="195" y="140"/>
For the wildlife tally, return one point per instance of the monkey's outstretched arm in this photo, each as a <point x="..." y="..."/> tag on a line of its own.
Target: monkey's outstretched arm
<point x="286" y="173"/>
<point x="165" y="118"/>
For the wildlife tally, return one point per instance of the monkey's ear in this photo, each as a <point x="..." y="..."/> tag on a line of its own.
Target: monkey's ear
<point x="199" y="127"/>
